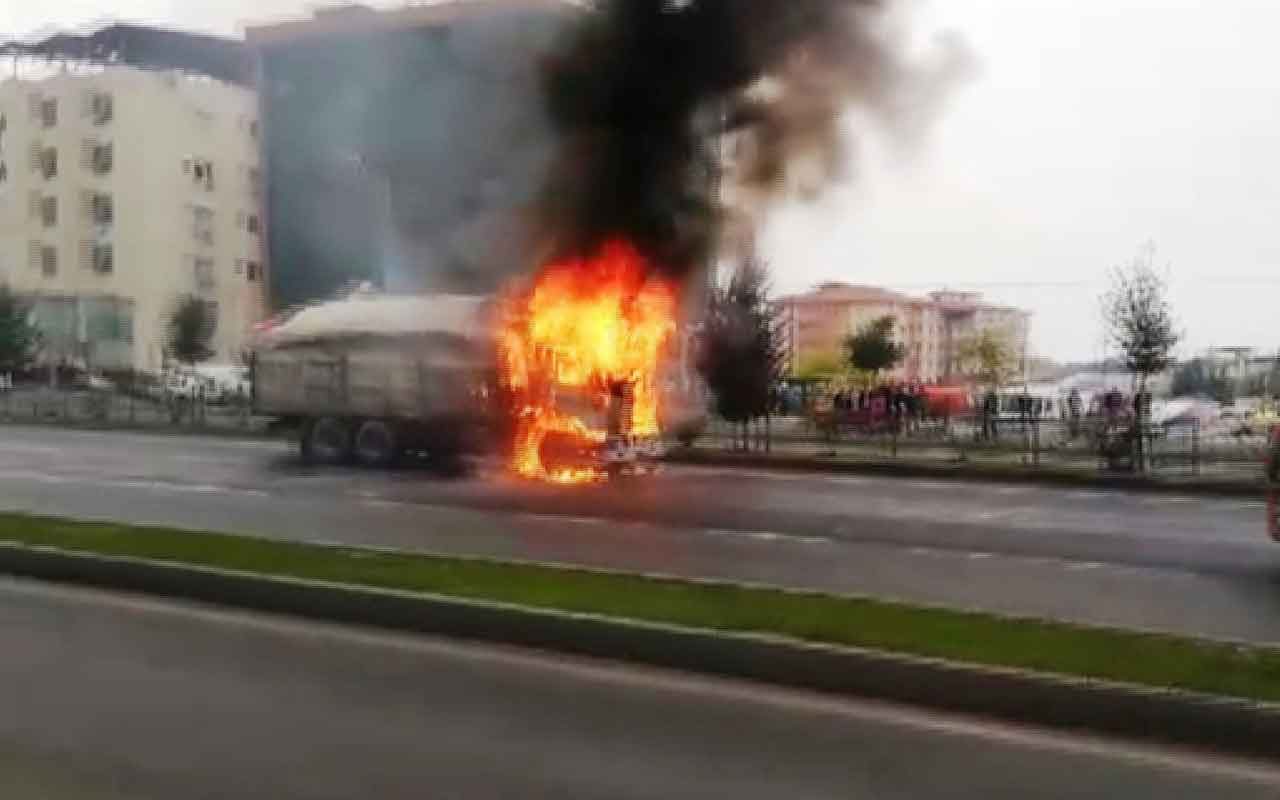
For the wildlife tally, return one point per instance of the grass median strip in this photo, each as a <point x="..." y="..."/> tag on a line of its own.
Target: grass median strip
<point x="1142" y="658"/>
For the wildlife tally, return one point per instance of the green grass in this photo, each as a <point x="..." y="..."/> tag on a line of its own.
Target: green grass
<point x="1150" y="659"/>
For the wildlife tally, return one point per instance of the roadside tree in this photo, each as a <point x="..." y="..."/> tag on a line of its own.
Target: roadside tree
<point x="1141" y="327"/>
<point x="872" y="349"/>
<point x="742" y="348"/>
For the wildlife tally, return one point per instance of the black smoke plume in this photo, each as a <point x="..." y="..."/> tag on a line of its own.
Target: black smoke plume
<point x="642" y="90"/>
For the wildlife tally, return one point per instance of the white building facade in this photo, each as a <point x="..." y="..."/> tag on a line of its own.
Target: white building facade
<point x="123" y="190"/>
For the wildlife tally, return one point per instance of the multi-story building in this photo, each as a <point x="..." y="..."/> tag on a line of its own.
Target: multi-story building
<point x="931" y="329"/>
<point x="122" y="190"/>
<point x="404" y="146"/>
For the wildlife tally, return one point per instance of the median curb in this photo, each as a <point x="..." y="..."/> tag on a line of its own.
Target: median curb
<point x="1167" y="717"/>
<point x="1045" y="476"/>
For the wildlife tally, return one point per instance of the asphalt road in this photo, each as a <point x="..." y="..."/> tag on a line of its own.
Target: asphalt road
<point x="108" y="696"/>
<point x="1161" y="561"/>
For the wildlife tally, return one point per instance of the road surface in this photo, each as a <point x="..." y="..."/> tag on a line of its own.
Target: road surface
<point x="107" y="696"/>
<point x="1188" y="564"/>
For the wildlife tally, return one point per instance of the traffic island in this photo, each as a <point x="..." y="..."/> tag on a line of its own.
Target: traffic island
<point x="1170" y="689"/>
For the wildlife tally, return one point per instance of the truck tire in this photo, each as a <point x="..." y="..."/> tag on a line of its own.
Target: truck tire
<point x="375" y="444"/>
<point x="327" y="441"/>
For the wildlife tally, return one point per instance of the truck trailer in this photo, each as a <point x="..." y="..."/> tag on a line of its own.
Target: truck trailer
<point x="373" y="377"/>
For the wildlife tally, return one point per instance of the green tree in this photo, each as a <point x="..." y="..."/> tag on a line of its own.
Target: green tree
<point x="819" y="367"/>
<point x="18" y="337"/>
<point x="1141" y="327"/>
<point x="987" y="356"/>
<point x="872" y="349"/>
<point x="190" y="331"/>
<point x="742" y="346"/>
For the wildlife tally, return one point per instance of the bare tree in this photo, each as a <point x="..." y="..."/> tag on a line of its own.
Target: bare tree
<point x="1141" y="326"/>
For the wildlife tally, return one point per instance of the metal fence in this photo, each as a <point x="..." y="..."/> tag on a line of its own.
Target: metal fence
<point x="1181" y="449"/>
<point x="113" y="409"/>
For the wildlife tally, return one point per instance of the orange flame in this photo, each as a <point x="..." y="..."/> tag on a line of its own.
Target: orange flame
<point x="590" y="326"/>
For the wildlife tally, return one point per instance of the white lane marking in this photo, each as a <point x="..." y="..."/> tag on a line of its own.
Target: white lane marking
<point x="17" y="447"/>
<point x="1169" y="500"/>
<point x="1252" y="505"/>
<point x="1083" y="565"/>
<point x="1087" y="495"/>
<point x="384" y="504"/>
<point x="977" y="556"/>
<point x="929" y="484"/>
<point x="146" y="485"/>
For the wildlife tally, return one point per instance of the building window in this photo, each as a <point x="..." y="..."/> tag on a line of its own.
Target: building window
<point x="251" y="223"/>
<point x="103" y="209"/>
<point x="104" y="258"/>
<point x="45" y="161"/>
<point x="49" y="112"/>
<point x="200" y="170"/>
<point x="252" y="271"/>
<point x="202" y="224"/>
<point x="49" y="211"/>
<point x="98" y="157"/>
<point x="253" y="176"/>
<point x="4" y="172"/>
<point x="100" y="209"/>
<point x="253" y="128"/>
<point x="48" y="261"/>
<point x="203" y="269"/>
<point x="98" y="106"/>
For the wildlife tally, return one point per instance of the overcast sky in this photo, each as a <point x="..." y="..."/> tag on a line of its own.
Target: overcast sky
<point x="1092" y="127"/>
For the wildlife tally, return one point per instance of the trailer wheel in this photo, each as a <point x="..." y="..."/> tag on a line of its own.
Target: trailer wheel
<point x="327" y="441"/>
<point x="375" y="444"/>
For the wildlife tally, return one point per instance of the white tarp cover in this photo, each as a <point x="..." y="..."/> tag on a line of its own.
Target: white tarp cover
<point x="382" y="315"/>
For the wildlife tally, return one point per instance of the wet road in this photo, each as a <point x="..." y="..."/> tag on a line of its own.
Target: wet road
<point x="108" y="697"/>
<point x="1190" y="564"/>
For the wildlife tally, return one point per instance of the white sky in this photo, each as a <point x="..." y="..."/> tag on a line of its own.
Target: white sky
<point x="1092" y="127"/>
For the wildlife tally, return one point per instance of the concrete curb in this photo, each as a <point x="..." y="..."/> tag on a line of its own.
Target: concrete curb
<point x="1044" y="476"/>
<point x="1166" y="717"/>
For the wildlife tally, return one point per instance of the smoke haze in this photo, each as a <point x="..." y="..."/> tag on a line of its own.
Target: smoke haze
<point x="640" y="87"/>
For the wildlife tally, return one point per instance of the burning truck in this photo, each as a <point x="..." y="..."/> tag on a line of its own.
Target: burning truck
<point x="562" y="375"/>
<point x="669" y="119"/>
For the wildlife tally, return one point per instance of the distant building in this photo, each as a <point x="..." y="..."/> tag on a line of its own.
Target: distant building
<point x="126" y="185"/>
<point x="931" y="328"/>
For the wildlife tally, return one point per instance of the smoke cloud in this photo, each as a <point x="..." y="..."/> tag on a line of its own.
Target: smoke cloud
<point x="643" y="95"/>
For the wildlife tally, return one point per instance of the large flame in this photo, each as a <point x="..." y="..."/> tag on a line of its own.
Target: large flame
<point x="591" y="326"/>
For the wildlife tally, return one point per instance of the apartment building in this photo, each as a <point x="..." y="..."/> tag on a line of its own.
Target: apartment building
<point x="930" y="328"/>
<point x="123" y="189"/>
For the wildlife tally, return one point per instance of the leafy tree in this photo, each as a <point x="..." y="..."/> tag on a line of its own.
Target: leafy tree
<point x="820" y="366"/>
<point x="988" y="356"/>
<point x="873" y="349"/>
<point x="1141" y="327"/>
<point x="191" y="327"/>
<point x="18" y="337"/>
<point x="1139" y="320"/>
<point x="1200" y="377"/>
<point x="742" y="346"/>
